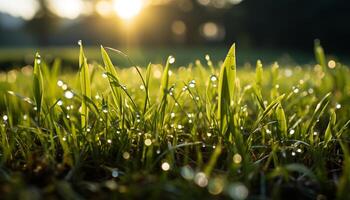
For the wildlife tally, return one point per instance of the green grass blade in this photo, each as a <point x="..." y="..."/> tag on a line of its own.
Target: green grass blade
<point x="38" y="85"/>
<point x="84" y="86"/>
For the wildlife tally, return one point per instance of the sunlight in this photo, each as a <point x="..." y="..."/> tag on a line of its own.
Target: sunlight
<point x="127" y="9"/>
<point x="70" y="9"/>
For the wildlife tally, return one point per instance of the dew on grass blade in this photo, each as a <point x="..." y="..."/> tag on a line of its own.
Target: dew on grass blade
<point x="60" y="102"/>
<point x="5" y="117"/>
<point x="192" y="84"/>
<point x="115" y="173"/>
<point x="216" y="186"/>
<point x="171" y="59"/>
<point x="187" y="172"/>
<point x="126" y="155"/>
<point x="64" y="87"/>
<point x="165" y="166"/>
<point x="148" y="142"/>
<point x="238" y="191"/>
<point x="60" y="83"/>
<point x="68" y="94"/>
<point x="237" y="158"/>
<point x="213" y="78"/>
<point x="201" y="179"/>
<point x="338" y="106"/>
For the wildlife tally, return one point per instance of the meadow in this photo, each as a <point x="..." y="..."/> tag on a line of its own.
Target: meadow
<point x="207" y="130"/>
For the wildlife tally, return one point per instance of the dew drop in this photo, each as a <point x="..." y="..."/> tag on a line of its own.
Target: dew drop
<point x="187" y="173"/>
<point x="171" y="59"/>
<point x="115" y="173"/>
<point x="201" y="179"/>
<point x="165" y="166"/>
<point x="59" y="83"/>
<point x="60" y="102"/>
<point x="338" y="106"/>
<point x="148" y="142"/>
<point x="126" y="155"/>
<point x="69" y="94"/>
<point x="213" y="78"/>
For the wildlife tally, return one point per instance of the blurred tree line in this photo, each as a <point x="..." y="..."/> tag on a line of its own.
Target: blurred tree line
<point x="251" y="23"/>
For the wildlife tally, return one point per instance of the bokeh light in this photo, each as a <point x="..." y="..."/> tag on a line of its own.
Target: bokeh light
<point x="127" y="9"/>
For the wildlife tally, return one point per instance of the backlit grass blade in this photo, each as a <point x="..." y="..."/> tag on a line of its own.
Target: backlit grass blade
<point x="328" y="134"/>
<point x="227" y="79"/>
<point x="164" y="89"/>
<point x="258" y="74"/>
<point x="109" y="67"/>
<point x="282" y="122"/>
<point x="38" y="87"/>
<point x="319" y="54"/>
<point x="84" y="86"/>
<point x="319" y="110"/>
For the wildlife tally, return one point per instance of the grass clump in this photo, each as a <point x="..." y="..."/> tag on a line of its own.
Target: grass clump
<point x="175" y="132"/>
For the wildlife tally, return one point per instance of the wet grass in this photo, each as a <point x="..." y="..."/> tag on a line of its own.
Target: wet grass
<point x="208" y="130"/>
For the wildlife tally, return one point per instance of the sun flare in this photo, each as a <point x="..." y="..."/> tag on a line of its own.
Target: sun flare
<point x="127" y="9"/>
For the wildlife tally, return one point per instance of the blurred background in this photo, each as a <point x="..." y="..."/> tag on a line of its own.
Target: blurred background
<point x="150" y="30"/>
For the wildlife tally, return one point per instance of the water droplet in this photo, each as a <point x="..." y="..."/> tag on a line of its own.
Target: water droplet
<point x="59" y="83"/>
<point x="80" y="42"/>
<point x="60" y="102"/>
<point x="179" y="126"/>
<point x="5" y="118"/>
<point x="64" y="87"/>
<point x="64" y="138"/>
<point x="296" y="90"/>
<point x="171" y="59"/>
<point x="315" y="133"/>
<point x="207" y="57"/>
<point x="238" y="191"/>
<point x="288" y="72"/>
<point x="237" y="158"/>
<point x="292" y="131"/>
<point x="209" y="134"/>
<point x="172" y="115"/>
<point x="148" y="142"/>
<point x="69" y="94"/>
<point x="38" y="60"/>
<point x="299" y="150"/>
<point x="126" y="155"/>
<point x="216" y="186"/>
<point x="104" y="75"/>
<point x="165" y="166"/>
<point x="187" y="173"/>
<point x="213" y="78"/>
<point x="192" y="84"/>
<point x="201" y="179"/>
<point x="158" y="151"/>
<point x="338" y="106"/>
<point x="25" y="117"/>
<point x="115" y="173"/>
<point x="142" y="87"/>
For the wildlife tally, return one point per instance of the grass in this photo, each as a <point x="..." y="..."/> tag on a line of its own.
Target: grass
<point x="211" y="131"/>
